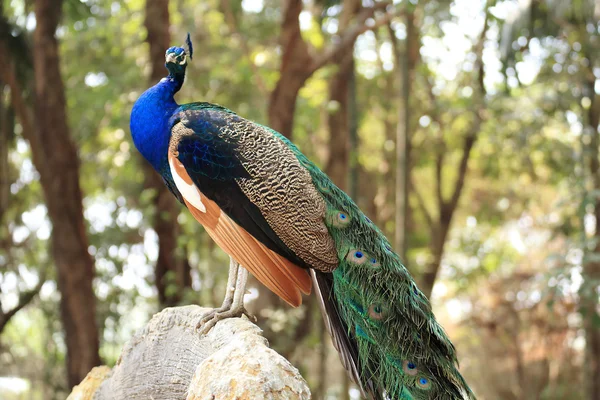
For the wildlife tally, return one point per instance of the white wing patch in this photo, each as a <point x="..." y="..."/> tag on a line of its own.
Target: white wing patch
<point x="189" y="191"/>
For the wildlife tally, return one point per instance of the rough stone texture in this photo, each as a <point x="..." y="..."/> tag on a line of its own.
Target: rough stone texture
<point x="168" y="358"/>
<point x="88" y="386"/>
<point x="243" y="367"/>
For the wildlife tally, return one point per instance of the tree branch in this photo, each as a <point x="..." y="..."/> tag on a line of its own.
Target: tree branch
<point x="421" y="204"/>
<point x="291" y="37"/>
<point x="350" y="34"/>
<point x="23" y="109"/>
<point x="462" y="169"/>
<point x="471" y="136"/>
<point x="24" y="299"/>
<point x="294" y="70"/>
<point x="440" y="145"/>
<point x="479" y="53"/>
<point x="439" y="165"/>
<point x="8" y="75"/>
<point x="232" y="24"/>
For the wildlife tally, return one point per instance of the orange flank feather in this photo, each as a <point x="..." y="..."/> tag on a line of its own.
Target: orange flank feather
<point x="284" y="278"/>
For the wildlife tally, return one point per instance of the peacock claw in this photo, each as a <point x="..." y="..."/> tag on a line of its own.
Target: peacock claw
<point x="233" y="304"/>
<point x="210" y="319"/>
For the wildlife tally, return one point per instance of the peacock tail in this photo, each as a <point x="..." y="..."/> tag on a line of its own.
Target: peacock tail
<point x="380" y="321"/>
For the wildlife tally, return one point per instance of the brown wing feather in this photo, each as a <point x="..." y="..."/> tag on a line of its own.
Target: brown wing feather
<point x="279" y="185"/>
<point x="277" y="273"/>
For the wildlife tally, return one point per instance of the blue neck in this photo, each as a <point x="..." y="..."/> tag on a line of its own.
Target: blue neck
<point x="149" y="121"/>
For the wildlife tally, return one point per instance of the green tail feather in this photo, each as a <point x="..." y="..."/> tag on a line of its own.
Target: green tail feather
<point x="399" y="349"/>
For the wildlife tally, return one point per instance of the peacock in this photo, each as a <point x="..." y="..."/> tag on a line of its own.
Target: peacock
<point x="275" y="213"/>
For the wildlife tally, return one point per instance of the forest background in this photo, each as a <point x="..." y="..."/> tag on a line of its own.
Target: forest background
<point x="467" y="130"/>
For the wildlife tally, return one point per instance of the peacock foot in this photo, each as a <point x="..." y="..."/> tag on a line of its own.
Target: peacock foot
<point x="210" y="319"/>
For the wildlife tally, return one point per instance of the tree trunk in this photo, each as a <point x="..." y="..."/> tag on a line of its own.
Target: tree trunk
<point x="338" y="120"/>
<point x="6" y="135"/>
<point x="345" y="386"/>
<point x="321" y="389"/>
<point x="591" y="268"/>
<point x="172" y="273"/>
<point x="447" y="208"/>
<point x="157" y="26"/>
<point x="355" y="169"/>
<point x="295" y="69"/>
<point x="339" y="117"/>
<point x="405" y="67"/>
<point x="58" y="165"/>
<point x="436" y="246"/>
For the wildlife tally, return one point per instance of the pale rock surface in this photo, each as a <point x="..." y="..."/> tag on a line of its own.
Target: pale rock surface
<point x="169" y="360"/>
<point x="88" y="386"/>
<point x="244" y="367"/>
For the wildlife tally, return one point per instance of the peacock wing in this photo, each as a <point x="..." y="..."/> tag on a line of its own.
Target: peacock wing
<point x="211" y="174"/>
<point x="279" y="188"/>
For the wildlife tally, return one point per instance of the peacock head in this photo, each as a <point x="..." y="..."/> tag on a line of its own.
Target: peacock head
<point x="176" y="59"/>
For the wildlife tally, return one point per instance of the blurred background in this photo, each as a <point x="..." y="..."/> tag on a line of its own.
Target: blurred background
<point x="466" y="129"/>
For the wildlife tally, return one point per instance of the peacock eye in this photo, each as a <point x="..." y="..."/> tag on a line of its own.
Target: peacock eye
<point x="423" y="383"/>
<point x="410" y="368"/>
<point x="376" y="311"/>
<point x="374" y="262"/>
<point x="356" y="257"/>
<point x="343" y="219"/>
<point x="338" y="219"/>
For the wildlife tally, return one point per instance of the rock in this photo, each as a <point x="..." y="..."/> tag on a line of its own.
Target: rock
<point x="88" y="386"/>
<point x="244" y="367"/>
<point x="169" y="360"/>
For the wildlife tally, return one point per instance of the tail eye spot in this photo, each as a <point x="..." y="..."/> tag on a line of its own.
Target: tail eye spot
<point x="423" y="383"/>
<point x="356" y="257"/>
<point x="409" y="368"/>
<point x="376" y="312"/>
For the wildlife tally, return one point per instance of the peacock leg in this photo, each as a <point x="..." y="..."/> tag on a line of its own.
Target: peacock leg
<point x="233" y="304"/>
<point x="234" y="268"/>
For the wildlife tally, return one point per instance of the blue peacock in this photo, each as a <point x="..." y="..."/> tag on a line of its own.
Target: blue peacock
<point x="280" y="217"/>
